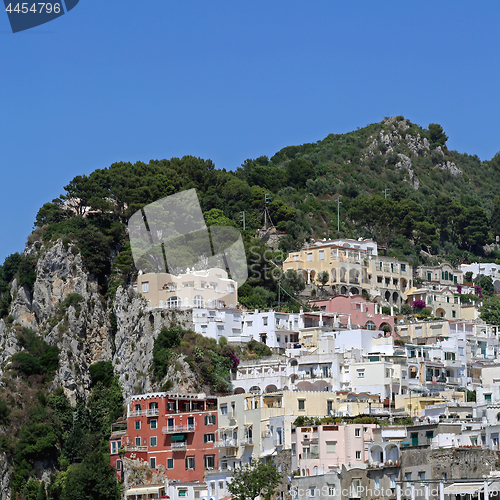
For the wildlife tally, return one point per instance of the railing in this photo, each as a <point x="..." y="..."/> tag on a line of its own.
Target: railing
<point x="226" y="443"/>
<point x="246" y="442"/>
<point x="453" y="380"/>
<point x="179" y="445"/>
<point x="151" y="412"/>
<point x="170" y="429"/>
<point x="135" y="448"/>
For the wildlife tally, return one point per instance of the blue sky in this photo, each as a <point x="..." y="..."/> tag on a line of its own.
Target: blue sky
<point x="137" y="80"/>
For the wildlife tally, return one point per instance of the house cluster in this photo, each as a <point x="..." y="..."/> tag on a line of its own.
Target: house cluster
<point x="353" y="403"/>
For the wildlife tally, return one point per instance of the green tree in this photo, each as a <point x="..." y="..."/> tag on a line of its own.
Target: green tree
<point x="93" y="479"/>
<point x="490" y="311"/>
<point x="322" y="279"/>
<point x="437" y="135"/>
<point x="486" y="284"/>
<point x="257" y="479"/>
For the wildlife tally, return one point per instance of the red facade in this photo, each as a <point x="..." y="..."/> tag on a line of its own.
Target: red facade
<point x="177" y="431"/>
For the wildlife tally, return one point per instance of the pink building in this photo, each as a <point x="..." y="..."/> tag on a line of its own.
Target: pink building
<point x="320" y="449"/>
<point x="356" y="310"/>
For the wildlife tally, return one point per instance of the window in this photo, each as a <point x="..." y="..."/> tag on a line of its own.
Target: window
<point x="361" y="373"/>
<point x="152" y="441"/>
<point x="377" y="482"/>
<point x="210" y="420"/>
<point x="170" y="406"/>
<point x="264" y="320"/>
<point x="170" y="463"/>
<point x="189" y="462"/>
<point x="209" y="461"/>
<point x="152" y="462"/>
<point x="408" y="476"/>
<point x="309" y="256"/>
<point x="223" y="409"/>
<point x="182" y="493"/>
<point x="487" y="397"/>
<point x="312" y="491"/>
<point x="137" y="425"/>
<point x="393" y="480"/>
<point x="403" y="268"/>
<point x="302" y="403"/>
<point x="154" y="424"/>
<point x="331" y="446"/>
<point x="357" y="432"/>
<point x="145" y="287"/>
<point x="421" y="475"/>
<point x="329" y="407"/>
<point x="453" y="314"/>
<point x="358" y="455"/>
<point x="118" y="465"/>
<point x="321" y="255"/>
<point x="210" y="438"/>
<point x="356" y="488"/>
<point x="294" y="449"/>
<point x="138" y="441"/>
<point x="221" y="485"/>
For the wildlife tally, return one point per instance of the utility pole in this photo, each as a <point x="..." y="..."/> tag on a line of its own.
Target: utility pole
<point x="266" y="199"/>
<point x="242" y="219"/>
<point x="338" y="212"/>
<point x="385" y="191"/>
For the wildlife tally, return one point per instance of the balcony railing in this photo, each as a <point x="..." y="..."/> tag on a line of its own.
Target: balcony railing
<point x="179" y="445"/>
<point x="226" y="443"/>
<point x="453" y="380"/>
<point x="151" y="412"/>
<point x="171" y="429"/>
<point x="246" y="442"/>
<point x="135" y="448"/>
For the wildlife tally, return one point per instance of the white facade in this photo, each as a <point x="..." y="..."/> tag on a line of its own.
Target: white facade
<point x="217" y="323"/>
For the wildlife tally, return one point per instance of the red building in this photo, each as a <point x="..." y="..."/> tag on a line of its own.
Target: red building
<point x="177" y="431"/>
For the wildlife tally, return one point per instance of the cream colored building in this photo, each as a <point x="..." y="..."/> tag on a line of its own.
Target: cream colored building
<point x="352" y="269"/>
<point x="443" y="303"/>
<point x="198" y="289"/>
<point x="255" y="426"/>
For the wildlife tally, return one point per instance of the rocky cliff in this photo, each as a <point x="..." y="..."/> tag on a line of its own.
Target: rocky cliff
<point x="81" y="327"/>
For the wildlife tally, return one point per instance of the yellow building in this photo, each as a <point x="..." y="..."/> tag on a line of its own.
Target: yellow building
<point x="351" y="269"/>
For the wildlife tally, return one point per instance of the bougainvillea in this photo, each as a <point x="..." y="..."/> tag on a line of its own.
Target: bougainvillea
<point x="418" y="304"/>
<point x="229" y="353"/>
<point x="459" y="288"/>
<point x="478" y="292"/>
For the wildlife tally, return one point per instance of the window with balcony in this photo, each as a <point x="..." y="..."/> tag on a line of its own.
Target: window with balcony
<point x="152" y="441"/>
<point x="170" y="463"/>
<point x="138" y="441"/>
<point x="189" y="462"/>
<point x="209" y="461"/>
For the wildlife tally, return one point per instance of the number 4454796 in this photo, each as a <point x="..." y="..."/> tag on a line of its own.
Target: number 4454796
<point x="36" y="8"/>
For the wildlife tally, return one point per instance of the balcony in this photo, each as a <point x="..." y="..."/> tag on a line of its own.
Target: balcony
<point x="135" y="449"/>
<point x="246" y="442"/>
<point x="452" y="363"/>
<point x="453" y="380"/>
<point x="151" y="412"/>
<point x="172" y="429"/>
<point x="179" y="446"/>
<point x="226" y="443"/>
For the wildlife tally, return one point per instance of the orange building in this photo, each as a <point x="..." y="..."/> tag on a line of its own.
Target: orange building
<point x="177" y="431"/>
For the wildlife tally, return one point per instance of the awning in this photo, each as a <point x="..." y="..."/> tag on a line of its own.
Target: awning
<point x="463" y="488"/>
<point x="267" y="453"/>
<point x="178" y="437"/>
<point x="143" y="490"/>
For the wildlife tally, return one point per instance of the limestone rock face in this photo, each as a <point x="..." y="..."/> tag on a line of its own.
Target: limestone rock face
<point x="5" y="473"/>
<point x="83" y="330"/>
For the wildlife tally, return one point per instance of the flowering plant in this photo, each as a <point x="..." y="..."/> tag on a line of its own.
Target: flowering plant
<point x="418" y="304"/>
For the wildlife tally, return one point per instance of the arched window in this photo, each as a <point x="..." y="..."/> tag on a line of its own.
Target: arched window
<point x="370" y="325"/>
<point x="173" y="302"/>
